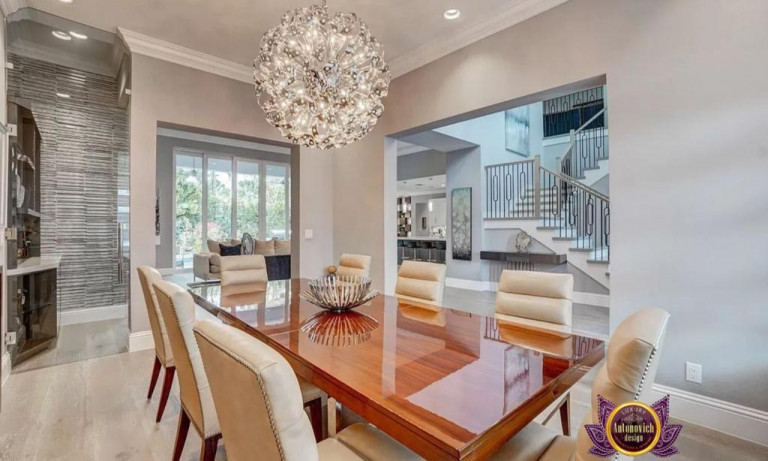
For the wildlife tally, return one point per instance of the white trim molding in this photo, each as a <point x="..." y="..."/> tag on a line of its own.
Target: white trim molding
<point x="140" y="341"/>
<point x="592" y="299"/>
<point x="11" y="6"/>
<point x="5" y="367"/>
<point x="730" y="418"/>
<point x="93" y="314"/>
<point x="442" y="45"/>
<point x="160" y="49"/>
<point x="491" y="23"/>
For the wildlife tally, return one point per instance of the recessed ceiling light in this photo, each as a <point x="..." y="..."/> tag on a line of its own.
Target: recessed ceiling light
<point x="78" y="35"/>
<point x="61" y="35"/>
<point x="442" y="185"/>
<point x="451" y="14"/>
<point x="67" y="1"/>
<point x="62" y="95"/>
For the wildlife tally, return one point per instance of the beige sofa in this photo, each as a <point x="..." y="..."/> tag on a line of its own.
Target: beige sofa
<point x="207" y="265"/>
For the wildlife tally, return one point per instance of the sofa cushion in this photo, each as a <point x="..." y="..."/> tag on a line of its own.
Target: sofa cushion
<point x="282" y="247"/>
<point x="213" y="246"/>
<point x="264" y="247"/>
<point x="215" y="268"/>
<point x="231" y="250"/>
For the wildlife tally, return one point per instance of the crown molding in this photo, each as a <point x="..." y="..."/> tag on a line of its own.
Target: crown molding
<point x="11" y="6"/>
<point x="160" y="49"/>
<point x="436" y="48"/>
<point x="490" y="24"/>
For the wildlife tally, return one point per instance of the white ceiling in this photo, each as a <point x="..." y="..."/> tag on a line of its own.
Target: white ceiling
<point x="232" y="29"/>
<point x="422" y="186"/>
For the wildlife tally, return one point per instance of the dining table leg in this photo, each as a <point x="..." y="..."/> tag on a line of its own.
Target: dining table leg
<point x="334" y="417"/>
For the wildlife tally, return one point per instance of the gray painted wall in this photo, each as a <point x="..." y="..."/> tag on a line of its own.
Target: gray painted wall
<point x="666" y="64"/>
<point x="420" y="165"/>
<point x="165" y="183"/>
<point x="463" y="170"/>
<point x="83" y="157"/>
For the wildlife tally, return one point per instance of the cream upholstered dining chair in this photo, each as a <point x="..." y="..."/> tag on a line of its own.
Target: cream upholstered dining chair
<point x="197" y="406"/>
<point x="536" y="299"/>
<point x="148" y="276"/>
<point x="627" y="375"/>
<point x="178" y="309"/>
<point x="540" y="301"/>
<point x="258" y="400"/>
<point x="350" y="264"/>
<point x="421" y="282"/>
<point x="243" y="274"/>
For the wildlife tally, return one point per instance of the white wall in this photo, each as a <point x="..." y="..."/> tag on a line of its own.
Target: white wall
<point x="687" y="85"/>
<point x="165" y="92"/>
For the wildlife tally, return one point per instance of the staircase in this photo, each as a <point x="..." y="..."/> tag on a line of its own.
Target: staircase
<point x="557" y="209"/>
<point x="586" y="159"/>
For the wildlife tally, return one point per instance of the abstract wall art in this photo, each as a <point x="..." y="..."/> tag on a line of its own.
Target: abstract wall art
<point x="461" y="223"/>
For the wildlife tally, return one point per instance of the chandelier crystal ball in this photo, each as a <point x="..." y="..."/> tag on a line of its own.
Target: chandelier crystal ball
<point x="320" y="79"/>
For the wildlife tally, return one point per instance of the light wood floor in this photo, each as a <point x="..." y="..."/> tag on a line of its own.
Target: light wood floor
<point x="82" y="342"/>
<point x="97" y="410"/>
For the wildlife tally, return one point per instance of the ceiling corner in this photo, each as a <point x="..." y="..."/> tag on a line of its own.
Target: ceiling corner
<point x="491" y="23"/>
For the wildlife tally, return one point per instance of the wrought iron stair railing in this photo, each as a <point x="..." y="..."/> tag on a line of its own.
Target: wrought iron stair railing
<point x="588" y="145"/>
<point x="526" y="190"/>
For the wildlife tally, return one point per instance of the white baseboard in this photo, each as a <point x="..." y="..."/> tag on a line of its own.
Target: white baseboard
<point x="475" y="285"/>
<point x="5" y="369"/>
<point x="592" y="299"/>
<point x="93" y="314"/>
<point x="140" y="341"/>
<point x="729" y="418"/>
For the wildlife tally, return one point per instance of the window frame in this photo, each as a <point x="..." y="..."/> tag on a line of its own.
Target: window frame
<point x="235" y="159"/>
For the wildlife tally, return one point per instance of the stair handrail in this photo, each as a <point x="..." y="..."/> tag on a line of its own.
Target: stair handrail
<point x="577" y="184"/>
<point x="573" y="134"/>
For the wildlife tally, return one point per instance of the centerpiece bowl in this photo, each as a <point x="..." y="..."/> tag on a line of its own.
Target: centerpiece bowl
<point x="339" y="293"/>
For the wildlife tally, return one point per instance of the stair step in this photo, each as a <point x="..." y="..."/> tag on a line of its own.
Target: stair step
<point x="581" y="250"/>
<point x="563" y="238"/>
<point x="547" y="227"/>
<point x="598" y="261"/>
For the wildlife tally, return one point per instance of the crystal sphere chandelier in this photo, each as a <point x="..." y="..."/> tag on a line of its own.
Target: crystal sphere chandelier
<point x="320" y="79"/>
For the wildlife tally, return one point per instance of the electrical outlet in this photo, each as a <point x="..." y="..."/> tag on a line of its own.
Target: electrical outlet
<point x="308" y="234"/>
<point x="10" y="338"/>
<point x="693" y="372"/>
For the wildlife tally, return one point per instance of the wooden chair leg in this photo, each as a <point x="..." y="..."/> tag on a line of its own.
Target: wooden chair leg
<point x="181" y="434"/>
<point x="155" y="374"/>
<point x="167" y="383"/>
<point x="208" y="450"/>
<point x="316" y="417"/>
<point x="565" y="421"/>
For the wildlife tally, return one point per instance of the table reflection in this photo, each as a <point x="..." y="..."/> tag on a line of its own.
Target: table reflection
<point x="339" y="329"/>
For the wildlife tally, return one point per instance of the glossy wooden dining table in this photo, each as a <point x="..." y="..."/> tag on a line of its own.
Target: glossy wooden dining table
<point x="445" y="383"/>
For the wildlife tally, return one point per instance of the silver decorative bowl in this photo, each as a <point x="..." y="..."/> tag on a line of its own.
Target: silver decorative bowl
<point x="339" y="293"/>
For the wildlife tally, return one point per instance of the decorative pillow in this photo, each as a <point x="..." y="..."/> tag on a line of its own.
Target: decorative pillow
<point x="231" y="250"/>
<point x="213" y="246"/>
<point x="282" y="247"/>
<point x="264" y="247"/>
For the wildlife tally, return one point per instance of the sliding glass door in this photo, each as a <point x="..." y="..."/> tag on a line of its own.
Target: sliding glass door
<point x="278" y="192"/>
<point x="188" y="205"/>
<point x="220" y="197"/>
<point x="248" y="209"/>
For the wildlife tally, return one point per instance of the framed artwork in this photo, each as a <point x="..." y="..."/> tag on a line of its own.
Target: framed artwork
<point x="517" y="128"/>
<point x="461" y="223"/>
